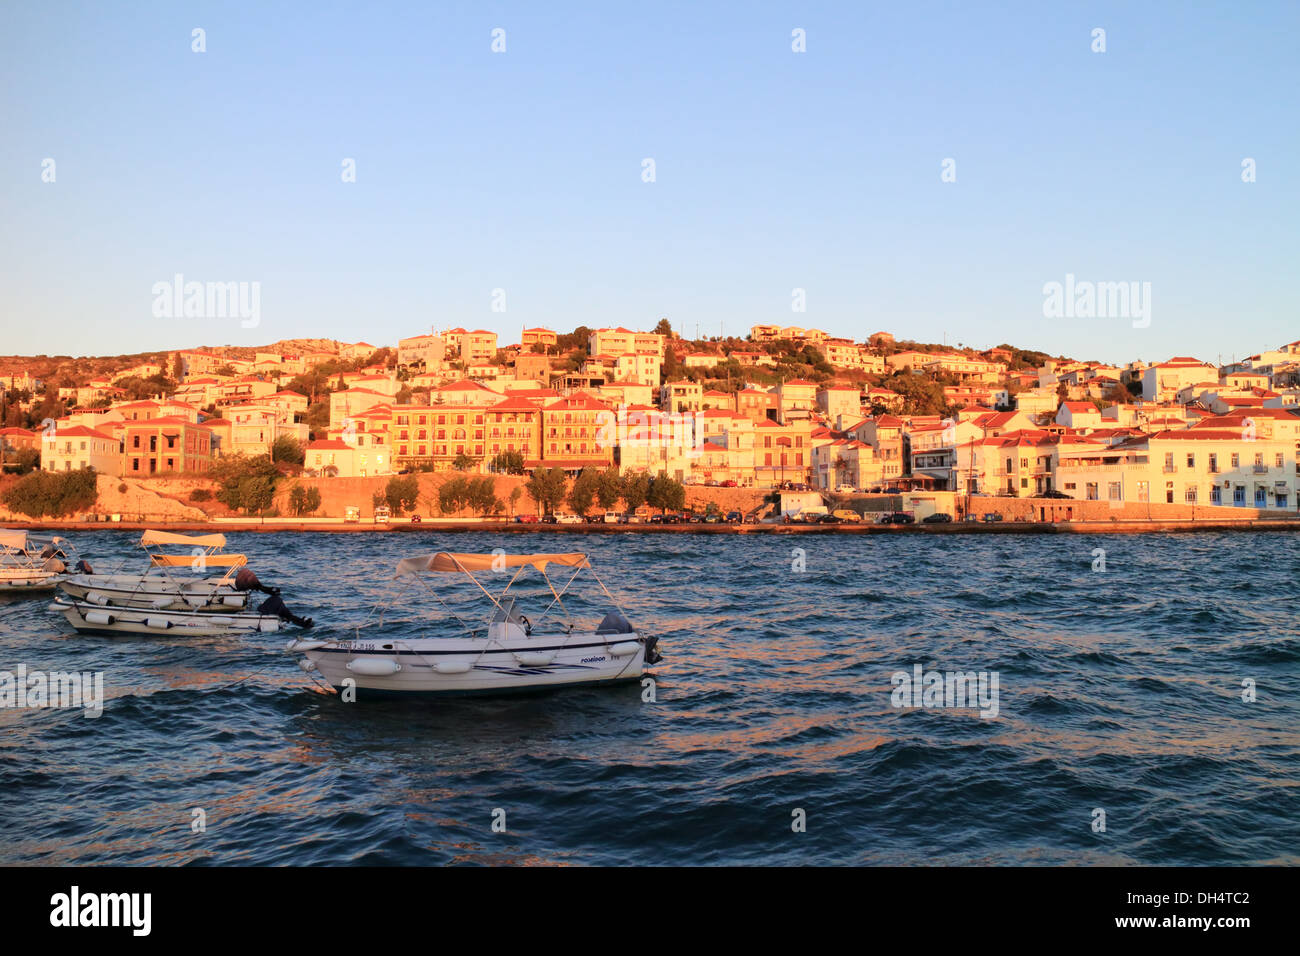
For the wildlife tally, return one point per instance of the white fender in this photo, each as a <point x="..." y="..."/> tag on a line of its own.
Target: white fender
<point x="534" y="658"/>
<point x="453" y="667"/>
<point x="307" y="665"/>
<point x="161" y="623"/>
<point x="624" y="648"/>
<point x="100" y="617"/>
<point x="94" y="597"/>
<point x="268" y="624"/>
<point x="374" y="666"/>
<point x="232" y="600"/>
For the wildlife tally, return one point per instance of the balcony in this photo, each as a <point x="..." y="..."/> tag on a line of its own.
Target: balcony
<point x="1169" y="469"/>
<point x="1259" y="469"/>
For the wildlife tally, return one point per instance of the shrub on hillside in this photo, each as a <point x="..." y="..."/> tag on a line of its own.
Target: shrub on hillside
<point x="52" y="493"/>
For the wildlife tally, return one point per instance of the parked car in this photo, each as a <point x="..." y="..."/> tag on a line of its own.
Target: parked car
<point x="971" y="518"/>
<point x="713" y="517"/>
<point x="729" y="483"/>
<point x="847" y="516"/>
<point x="1054" y="494"/>
<point x="831" y="518"/>
<point x="527" y="519"/>
<point x="351" y="514"/>
<point x="735" y="517"/>
<point x="611" y="517"/>
<point x="550" y="519"/>
<point x="937" y="518"/>
<point x="570" y="519"/>
<point x="656" y="519"/>
<point x="897" y="517"/>
<point x="382" y="514"/>
<point x="416" y="519"/>
<point x="633" y="518"/>
<point x="846" y="489"/>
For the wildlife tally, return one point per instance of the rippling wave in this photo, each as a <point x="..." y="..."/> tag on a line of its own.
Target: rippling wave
<point x="1119" y="691"/>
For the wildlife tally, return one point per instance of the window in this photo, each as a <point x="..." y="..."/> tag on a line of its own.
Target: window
<point x="1191" y="459"/>
<point x="1214" y="464"/>
<point x="1144" y="491"/>
<point x="1259" y="496"/>
<point x="1236" y="460"/>
<point x="1216" y="496"/>
<point x="1113" y="491"/>
<point x="1189" y="494"/>
<point x="1090" y="491"/>
<point x="1239" y="495"/>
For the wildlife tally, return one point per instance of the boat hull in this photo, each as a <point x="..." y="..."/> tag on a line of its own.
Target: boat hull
<point x="30" y="583"/>
<point x="122" y="590"/>
<point x="97" y="619"/>
<point x="466" y="665"/>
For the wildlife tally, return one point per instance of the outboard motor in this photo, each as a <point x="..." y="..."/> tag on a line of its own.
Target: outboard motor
<point x="652" y="655"/>
<point x="83" y="567"/>
<point x="246" y="580"/>
<point x="275" y="605"/>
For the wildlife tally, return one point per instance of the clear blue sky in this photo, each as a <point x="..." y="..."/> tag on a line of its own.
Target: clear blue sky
<point x="775" y="170"/>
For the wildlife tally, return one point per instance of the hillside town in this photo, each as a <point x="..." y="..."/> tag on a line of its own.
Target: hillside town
<point x="783" y="408"/>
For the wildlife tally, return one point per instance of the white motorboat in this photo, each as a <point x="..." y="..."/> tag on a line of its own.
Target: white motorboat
<point x="510" y="653"/>
<point x="30" y="564"/>
<point x="201" y="593"/>
<point x="199" y="578"/>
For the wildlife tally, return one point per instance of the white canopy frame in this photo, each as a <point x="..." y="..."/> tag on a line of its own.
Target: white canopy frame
<point x="466" y="564"/>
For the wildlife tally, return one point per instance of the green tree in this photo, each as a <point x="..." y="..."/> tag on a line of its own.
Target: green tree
<point x="402" y="494"/>
<point x="515" y="494"/>
<point x="583" y="491"/>
<point x="244" y="483"/>
<point x="666" y="494"/>
<point x="508" y="463"/>
<point x="464" y="462"/>
<point x="26" y="461"/>
<point x="482" y="496"/>
<point x="454" y="494"/>
<point x="608" y="488"/>
<point x="635" y="487"/>
<point x="546" y="487"/>
<point x="287" y="450"/>
<point x="304" y="501"/>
